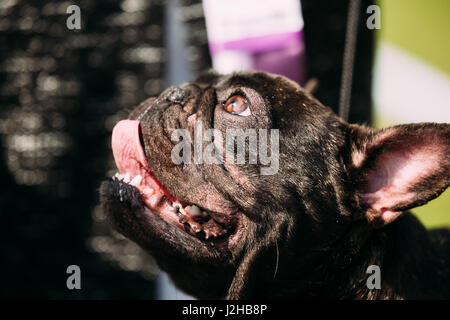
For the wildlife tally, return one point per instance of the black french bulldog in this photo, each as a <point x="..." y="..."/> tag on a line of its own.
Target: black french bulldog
<point x="336" y="204"/>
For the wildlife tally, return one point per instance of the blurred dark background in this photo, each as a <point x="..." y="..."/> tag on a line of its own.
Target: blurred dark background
<point x="61" y="92"/>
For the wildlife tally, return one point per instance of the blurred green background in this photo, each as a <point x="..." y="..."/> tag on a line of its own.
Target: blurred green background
<point x="419" y="30"/>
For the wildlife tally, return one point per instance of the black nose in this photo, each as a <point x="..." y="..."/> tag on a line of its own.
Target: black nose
<point x="176" y="95"/>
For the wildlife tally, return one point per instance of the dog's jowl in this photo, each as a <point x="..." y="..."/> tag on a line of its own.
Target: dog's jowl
<point x="335" y="205"/>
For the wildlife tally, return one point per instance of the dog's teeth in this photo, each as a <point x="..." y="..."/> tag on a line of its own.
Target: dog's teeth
<point x="136" y="180"/>
<point x="180" y="208"/>
<point x="126" y="178"/>
<point x="182" y="219"/>
<point x="208" y="234"/>
<point x="177" y="205"/>
<point x="195" y="226"/>
<point x="193" y="210"/>
<point x="119" y="176"/>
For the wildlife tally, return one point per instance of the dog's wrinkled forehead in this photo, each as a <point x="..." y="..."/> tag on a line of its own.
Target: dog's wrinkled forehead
<point x="261" y="82"/>
<point x="284" y="97"/>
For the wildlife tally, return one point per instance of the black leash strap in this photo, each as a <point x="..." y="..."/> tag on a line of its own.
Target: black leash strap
<point x="349" y="58"/>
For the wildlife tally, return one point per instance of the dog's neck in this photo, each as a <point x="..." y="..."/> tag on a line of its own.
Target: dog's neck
<point x="402" y="250"/>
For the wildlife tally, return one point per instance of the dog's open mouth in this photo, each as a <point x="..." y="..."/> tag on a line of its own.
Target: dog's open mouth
<point x="134" y="170"/>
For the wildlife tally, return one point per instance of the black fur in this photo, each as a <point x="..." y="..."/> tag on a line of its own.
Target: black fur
<point x="306" y="231"/>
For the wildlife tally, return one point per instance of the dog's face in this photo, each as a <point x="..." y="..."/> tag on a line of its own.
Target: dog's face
<point x="258" y="227"/>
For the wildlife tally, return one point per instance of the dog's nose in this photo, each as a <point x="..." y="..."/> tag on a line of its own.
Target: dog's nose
<point x="177" y="95"/>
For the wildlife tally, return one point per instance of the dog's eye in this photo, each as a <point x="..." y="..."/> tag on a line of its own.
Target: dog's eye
<point x="237" y="105"/>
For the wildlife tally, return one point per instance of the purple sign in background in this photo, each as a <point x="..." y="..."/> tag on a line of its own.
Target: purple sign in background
<point x="279" y="53"/>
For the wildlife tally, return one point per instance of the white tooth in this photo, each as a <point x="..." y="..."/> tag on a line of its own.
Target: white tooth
<point x="136" y="180"/>
<point x="178" y="207"/>
<point x="193" y="210"/>
<point x="126" y="178"/>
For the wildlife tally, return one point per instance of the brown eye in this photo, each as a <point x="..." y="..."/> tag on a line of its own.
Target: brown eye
<point x="237" y="105"/>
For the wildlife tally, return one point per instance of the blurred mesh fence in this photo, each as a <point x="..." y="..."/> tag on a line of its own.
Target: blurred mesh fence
<point x="61" y="91"/>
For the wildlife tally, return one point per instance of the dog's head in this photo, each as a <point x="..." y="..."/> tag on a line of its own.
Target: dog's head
<point x="239" y="185"/>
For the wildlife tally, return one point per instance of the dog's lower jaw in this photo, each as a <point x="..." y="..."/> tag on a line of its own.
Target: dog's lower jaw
<point x="196" y="267"/>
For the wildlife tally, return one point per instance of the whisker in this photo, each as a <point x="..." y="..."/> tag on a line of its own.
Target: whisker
<point x="278" y="256"/>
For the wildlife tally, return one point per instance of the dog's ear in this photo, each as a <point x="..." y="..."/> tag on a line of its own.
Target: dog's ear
<point x="400" y="167"/>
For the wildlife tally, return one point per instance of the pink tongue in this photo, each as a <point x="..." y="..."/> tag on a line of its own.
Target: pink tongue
<point x="130" y="158"/>
<point x="127" y="149"/>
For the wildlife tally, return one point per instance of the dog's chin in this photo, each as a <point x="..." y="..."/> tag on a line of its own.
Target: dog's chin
<point x="145" y="210"/>
<point x="130" y="209"/>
